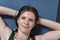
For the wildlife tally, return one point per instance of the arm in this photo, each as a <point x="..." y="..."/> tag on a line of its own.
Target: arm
<point x="51" y="24"/>
<point x="4" y="29"/>
<point x="51" y="35"/>
<point x="7" y="11"/>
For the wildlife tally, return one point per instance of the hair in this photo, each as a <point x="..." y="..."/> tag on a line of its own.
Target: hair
<point x="28" y="8"/>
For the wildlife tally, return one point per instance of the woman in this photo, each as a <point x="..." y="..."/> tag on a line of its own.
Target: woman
<point x="26" y="19"/>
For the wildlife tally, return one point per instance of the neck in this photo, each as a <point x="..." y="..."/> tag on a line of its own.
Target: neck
<point x="21" y="36"/>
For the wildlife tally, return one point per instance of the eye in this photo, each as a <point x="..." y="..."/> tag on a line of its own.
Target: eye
<point x="31" y="20"/>
<point x="22" y="17"/>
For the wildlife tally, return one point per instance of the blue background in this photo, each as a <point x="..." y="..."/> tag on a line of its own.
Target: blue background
<point x="46" y="8"/>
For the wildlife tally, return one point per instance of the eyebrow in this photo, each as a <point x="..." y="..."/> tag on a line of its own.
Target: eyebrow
<point x="29" y="17"/>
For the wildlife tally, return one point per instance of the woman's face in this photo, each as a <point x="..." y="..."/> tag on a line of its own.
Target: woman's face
<point x="26" y="21"/>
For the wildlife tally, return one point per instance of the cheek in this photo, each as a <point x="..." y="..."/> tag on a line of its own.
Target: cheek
<point x="32" y="24"/>
<point x="19" y="22"/>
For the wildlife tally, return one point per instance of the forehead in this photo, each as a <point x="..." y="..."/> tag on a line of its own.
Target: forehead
<point x="28" y="14"/>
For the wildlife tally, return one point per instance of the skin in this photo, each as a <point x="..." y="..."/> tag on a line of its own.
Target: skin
<point x="26" y="22"/>
<point x="22" y="32"/>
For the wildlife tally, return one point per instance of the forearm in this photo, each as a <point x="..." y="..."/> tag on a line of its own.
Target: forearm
<point x="7" y="11"/>
<point x="51" y="24"/>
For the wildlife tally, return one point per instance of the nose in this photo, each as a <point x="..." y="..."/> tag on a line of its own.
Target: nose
<point x="26" y="21"/>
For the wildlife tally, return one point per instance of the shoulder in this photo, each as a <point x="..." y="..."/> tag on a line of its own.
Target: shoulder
<point x="38" y="37"/>
<point x="8" y="32"/>
<point x="5" y="34"/>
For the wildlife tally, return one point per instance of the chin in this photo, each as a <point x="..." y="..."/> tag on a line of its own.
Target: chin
<point x="26" y="31"/>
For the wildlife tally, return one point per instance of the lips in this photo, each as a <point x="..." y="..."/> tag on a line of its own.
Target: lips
<point x="25" y="26"/>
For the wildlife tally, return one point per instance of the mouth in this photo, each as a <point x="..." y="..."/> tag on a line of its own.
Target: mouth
<point x="25" y="27"/>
